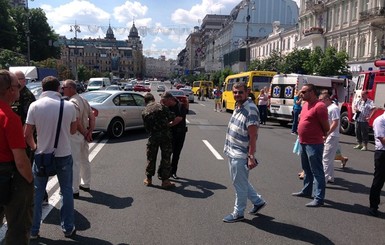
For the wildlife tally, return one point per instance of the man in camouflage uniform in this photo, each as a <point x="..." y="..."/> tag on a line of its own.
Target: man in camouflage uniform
<point x="157" y="118"/>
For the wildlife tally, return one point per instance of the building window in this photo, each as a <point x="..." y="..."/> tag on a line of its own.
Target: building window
<point x="288" y="43"/>
<point x="337" y="16"/>
<point x="345" y="12"/>
<point x="343" y="46"/>
<point x="362" y="47"/>
<point x="352" y="48"/>
<point x="354" y="10"/>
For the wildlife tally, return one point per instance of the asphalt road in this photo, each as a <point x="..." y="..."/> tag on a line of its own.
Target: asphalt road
<point x="121" y="210"/>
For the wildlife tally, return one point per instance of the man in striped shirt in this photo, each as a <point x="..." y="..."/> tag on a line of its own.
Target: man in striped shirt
<point x="240" y="146"/>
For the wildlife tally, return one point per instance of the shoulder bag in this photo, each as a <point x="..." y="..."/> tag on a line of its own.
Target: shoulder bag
<point x="45" y="162"/>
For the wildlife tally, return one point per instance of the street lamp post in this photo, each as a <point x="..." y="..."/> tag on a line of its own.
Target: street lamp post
<point x="28" y="33"/>
<point x="248" y="17"/>
<point x="76" y="28"/>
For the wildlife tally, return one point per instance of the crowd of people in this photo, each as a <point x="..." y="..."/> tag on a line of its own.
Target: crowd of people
<point x="65" y="126"/>
<point x="33" y="127"/>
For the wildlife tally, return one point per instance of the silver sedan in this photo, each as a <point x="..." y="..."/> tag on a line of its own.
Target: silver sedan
<point x="116" y="111"/>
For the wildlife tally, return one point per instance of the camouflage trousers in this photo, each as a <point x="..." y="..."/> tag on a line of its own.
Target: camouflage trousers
<point x="154" y="143"/>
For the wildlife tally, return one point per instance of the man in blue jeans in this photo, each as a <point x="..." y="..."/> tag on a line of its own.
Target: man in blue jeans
<point x="240" y="146"/>
<point x="312" y="130"/>
<point x="43" y="115"/>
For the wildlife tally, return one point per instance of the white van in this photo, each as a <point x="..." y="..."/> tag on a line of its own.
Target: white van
<point x="98" y="83"/>
<point x="284" y="87"/>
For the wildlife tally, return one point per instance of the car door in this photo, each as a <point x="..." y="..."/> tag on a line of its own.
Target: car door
<point x="131" y="112"/>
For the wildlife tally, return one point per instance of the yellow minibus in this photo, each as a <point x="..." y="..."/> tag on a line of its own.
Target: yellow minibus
<point x="255" y="80"/>
<point x="199" y="84"/>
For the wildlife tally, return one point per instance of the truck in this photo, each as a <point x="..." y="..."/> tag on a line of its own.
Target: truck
<point x="33" y="73"/>
<point x="284" y="87"/>
<point x="373" y="81"/>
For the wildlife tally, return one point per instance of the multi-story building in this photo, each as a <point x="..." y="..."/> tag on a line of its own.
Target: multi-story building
<point x="193" y="50"/>
<point x="121" y="58"/>
<point x="159" y="68"/>
<point x="280" y="40"/>
<point x="354" y="26"/>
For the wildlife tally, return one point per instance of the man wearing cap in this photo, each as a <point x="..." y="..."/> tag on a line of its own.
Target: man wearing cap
<point x="178" y="129"/>
<point x="156" y="119"/>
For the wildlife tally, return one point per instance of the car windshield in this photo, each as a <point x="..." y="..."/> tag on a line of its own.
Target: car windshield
<point x="97" y="97"/>
<point x="95" y="83"/>
<point x="177" y="93"/>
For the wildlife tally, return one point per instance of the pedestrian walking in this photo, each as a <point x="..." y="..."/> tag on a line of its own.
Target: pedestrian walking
<point x="363" y="109"/>
<point x="16" y="187"/>
<point x="156" y="119"/>
<point x="79" y="140"/>
<point x="312" y="128"/>
<point x="379" y="166"/>
<point x="332" y="137"/>
<point x="297" y="107"/>
<point x="43" y="116"/>
<point x="263" y="100"/>
<point x="217" y="99"/>
<point x="178" y="129"/>
<point x="240" y="147"/>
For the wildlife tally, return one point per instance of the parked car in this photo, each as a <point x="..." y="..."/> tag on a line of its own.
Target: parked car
<point x="161" y="88"/>
<point x="179" y="85"/>
<point x="116" y="111"/>
<point x="141" y="88"/>
<point x="129" y="87"/>
<point x="113" y="87"/>
<point x="36" y="89"/>
<point x="180" y="95"/>
<point x="189" y="93"/>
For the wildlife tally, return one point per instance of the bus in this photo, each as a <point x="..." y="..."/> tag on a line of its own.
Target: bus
<point x="199" y="84"/>
<point x="255" y="80"/>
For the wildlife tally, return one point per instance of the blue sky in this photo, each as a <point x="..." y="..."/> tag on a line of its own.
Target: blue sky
<point x="163" y="24"/>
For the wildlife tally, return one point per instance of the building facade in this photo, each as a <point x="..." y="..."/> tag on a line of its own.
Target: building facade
<point x="159" y="68"/>
<point x="120" y="58"/>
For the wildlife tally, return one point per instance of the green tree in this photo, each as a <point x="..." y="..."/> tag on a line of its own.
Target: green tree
<point x="333" y="63"/>
<point x="294" y="61"/>
<point x="8" y="33"/>
<point x="9" y="58"/>
<point x="315" y="58"/>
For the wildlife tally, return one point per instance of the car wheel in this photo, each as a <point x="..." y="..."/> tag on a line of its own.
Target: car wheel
<point x="116" y="128"/>
<point x="346" y="127"/>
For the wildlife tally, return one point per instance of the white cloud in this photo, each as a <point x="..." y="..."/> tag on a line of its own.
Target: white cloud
<point x="129" y="11"/>
<point x="158" y="40"/>
<point x="199" y="11"/>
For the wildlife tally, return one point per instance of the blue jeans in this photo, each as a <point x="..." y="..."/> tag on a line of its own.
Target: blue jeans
<point x="64" y="175"/>
<point x="311" y="159"/>
<point x="296" y="113"/>
<point x="243" y="189"/>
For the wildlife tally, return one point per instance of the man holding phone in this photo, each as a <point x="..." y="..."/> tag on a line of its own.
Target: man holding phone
<point x="240" y="146"/>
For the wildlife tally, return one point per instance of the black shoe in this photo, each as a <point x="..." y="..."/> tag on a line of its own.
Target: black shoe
<point x="174" y="176"/>
<point x="257" y="208"/>
<point x="373" y="212"/>
<point x="86" y="189"/>
<point x="76" y="195"/>
<point x="70" y="233"/>
<point x="300" y="194"/>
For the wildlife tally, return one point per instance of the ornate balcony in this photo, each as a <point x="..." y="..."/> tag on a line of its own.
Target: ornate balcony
<point x="315" y="6"/>
<point x="313" y="30"/>
<point x="375" y="16"/>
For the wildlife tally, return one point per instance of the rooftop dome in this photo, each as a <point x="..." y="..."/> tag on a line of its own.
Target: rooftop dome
<point x="133" y="31"/>
<point x="110" y="33"/>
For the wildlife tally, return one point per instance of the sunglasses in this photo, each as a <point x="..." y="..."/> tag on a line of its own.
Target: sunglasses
<point x="238" y="92"/>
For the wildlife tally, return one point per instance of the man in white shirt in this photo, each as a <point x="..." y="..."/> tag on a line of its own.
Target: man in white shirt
<point x="332" y="137"/>
<point x="43" y="115"/>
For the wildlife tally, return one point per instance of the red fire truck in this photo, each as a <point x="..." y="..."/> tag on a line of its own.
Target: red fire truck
<point x="374" y="82"/>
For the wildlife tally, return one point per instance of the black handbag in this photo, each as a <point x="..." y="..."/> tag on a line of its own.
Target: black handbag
<point x="45" y="162"/>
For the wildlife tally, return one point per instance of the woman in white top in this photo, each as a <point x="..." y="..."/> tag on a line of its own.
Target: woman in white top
<point x="263" y="100"/>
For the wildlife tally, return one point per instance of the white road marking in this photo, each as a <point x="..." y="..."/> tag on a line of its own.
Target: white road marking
<point x="55" y="197"/>
<point x="202" y="104"/>
<point x="211" y="148"/>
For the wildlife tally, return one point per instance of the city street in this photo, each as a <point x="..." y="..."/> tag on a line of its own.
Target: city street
<point x="121" y="210"/>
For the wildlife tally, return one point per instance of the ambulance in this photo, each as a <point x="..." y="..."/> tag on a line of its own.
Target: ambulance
<point x="284" y="87"/>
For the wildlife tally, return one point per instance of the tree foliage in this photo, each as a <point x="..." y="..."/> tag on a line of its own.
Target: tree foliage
<point x="306" y="61"/>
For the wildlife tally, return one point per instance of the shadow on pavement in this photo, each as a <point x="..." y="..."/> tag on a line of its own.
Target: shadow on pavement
<point x="355" y="208"/>
<point x="108" y="200"/>
<point x="204" y="188"/>
<point x="76" y="239"/>
<point x="267" y="223"/>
